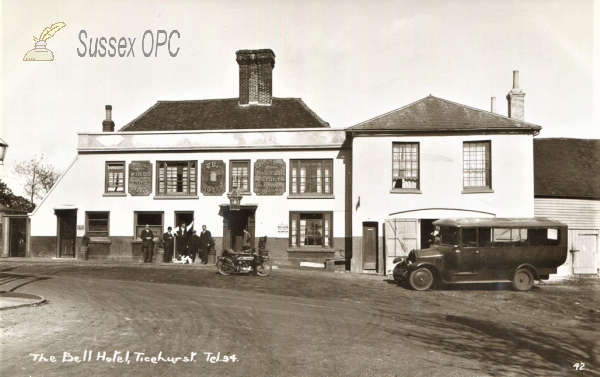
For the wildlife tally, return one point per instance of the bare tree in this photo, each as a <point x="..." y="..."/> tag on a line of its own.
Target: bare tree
<point x="39" y="178"/>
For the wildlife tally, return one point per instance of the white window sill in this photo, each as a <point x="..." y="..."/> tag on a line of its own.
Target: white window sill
<point x="483" y="190"/>
<point x="175" y="197"/>
<point x="304" y="249"/>
<point x="304" y="196"/>
<point x="405" y="191"/>
<point x="114" y="194"/>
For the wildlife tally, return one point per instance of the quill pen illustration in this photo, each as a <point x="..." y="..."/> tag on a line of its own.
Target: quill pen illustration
<point x="50" y="31"/>
<point x="40" y="52"/>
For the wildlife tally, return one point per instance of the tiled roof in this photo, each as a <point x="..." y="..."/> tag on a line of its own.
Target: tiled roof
<point x="567" y="168"/>
<point x="225" y="114"/>
<point x="436" y="114"/>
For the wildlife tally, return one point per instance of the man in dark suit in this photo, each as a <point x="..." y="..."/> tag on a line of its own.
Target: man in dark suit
<point x="168" y="242"/>
<point x="205" y="244"/>
<point x="193" y="245"/>
<point x="182" y="233"/>
<point x="147" y="244"/>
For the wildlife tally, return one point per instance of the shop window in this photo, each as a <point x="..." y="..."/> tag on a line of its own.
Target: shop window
<point x="97" y="224"/>
<point x="311" y="177"/>
<point x="115" y="177"/>
<point x="405" y="166"/>
<point x="176" y="178"/>
<point x="153" y="219"/>
<point x="477" y="170"/>
<point x="239" y="175"/>
<point x="311" y="229"/>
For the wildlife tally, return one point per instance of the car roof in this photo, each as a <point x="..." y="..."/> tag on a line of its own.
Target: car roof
<point x="512" y="222"/>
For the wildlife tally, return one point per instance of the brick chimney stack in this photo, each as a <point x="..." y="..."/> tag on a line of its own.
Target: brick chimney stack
<point x="256" y="76"/>
<point x="516" y="99"/>
<point x="108" y="125"/>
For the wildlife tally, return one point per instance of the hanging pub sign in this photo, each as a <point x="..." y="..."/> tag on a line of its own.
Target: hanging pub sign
<point x="269" y="177"/>
<point x="213" y="178"/>
<point x="140" y="178"/>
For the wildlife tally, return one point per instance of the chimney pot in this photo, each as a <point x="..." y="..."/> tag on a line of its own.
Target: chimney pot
<point x="516" y="100"/>
<point x="493" y="105"/>
<point x="108" y="125"/>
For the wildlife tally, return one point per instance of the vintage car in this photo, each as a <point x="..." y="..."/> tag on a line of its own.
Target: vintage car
<point x="478" y="250"/>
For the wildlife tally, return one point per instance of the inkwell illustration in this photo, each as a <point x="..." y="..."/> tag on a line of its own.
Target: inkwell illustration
<point x="40" y="52"/>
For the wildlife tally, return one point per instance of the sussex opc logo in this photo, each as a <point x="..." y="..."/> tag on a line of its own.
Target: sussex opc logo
<point x="40" y="53"/>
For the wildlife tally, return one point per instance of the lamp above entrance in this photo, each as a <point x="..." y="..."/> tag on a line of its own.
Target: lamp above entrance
<point x="234" y="199"/>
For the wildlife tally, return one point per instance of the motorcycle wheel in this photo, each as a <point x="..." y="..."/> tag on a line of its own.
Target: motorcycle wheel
<point x="224" y="269"/>
<point x="263" y="268"/>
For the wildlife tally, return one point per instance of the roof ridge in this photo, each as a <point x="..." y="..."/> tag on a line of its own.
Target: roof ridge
<point x="485" y="111"/>
<point x="390" y="112"/>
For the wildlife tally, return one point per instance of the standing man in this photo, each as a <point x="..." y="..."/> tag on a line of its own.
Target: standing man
<point x="168" y="242"/>
<point x="182" y="233"/>
<point x="205" y="244"/>
<point x="147" y="244"/>
<point x="193" y="244"/>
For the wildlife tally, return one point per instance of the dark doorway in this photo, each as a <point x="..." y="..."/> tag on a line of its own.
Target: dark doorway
<point x="18" y="237"/>
<point x="234" y="223"/>
<point x="185" y="217"/>
<point x="427" y="229"/>
<point x="369" y="246"/>
<point x="67" y="232"/>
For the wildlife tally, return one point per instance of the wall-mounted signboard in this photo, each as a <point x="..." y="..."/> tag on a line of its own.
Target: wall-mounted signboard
<point x="269" y="177"/>
<point x="213" y="178"/>
<point x="140" y="178"/>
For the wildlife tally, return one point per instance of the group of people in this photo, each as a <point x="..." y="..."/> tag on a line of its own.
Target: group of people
<point x="189" y="244"/>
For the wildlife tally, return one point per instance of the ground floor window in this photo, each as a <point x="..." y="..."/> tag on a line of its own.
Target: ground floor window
<point x="153" y="219"/>
<point x="97" y="224"/>
<point x="311" y="229"/>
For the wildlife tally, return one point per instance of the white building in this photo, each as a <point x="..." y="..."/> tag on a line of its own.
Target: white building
<point x="435" y="159"/>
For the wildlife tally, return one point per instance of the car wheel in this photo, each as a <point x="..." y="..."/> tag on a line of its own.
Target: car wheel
<point x="421" y="279"/>
<point x="522" y="280"/>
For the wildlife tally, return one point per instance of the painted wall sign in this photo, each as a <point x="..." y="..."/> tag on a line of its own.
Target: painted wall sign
<point x="80" y="230"/>
<point x="140" y="178"/>
<point x="213" y="178"/>
<point x="283" y="228"/>
<point x="269" y="177"/>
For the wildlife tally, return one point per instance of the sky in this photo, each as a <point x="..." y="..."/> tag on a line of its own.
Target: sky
<point x="349" y="60"/>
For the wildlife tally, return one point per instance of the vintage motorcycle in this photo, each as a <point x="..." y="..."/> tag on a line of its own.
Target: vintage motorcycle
<point x="231" y="262"/>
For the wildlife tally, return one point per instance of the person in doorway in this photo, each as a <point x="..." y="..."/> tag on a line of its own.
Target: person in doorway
<point x="205" y="244"/>
<point x="168" y="243"/>
<point x="246" y="247"/>
<point x="182" y="233"/>
<point x="147" y="244"/>
<point x="193" y="245"/>
<point x="246" y="240"/>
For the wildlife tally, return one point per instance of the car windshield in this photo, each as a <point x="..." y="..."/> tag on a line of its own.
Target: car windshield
<point x="448" y="236"/>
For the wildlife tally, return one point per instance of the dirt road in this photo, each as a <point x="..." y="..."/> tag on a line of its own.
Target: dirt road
<point x="293" y="323"/>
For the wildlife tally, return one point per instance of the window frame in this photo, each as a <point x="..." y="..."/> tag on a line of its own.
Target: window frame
<point x="294" y="221"/>
<point x="90" y="233"/>
<point x="106" y="178"/>
<point x="153" y="227"/>
<point x="417" y="187"/>
<point x="240" y="191"/>
<point x="295" y="192"/>
<point x="487" y="168"/>
<point x="189" y="192"/>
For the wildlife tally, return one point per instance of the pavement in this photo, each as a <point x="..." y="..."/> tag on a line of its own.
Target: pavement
<point x="11" y="300"/>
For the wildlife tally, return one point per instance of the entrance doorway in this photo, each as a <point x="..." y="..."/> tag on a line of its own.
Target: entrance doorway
<point x="185" y="217"/>
<point x="369" y="246"/>
<point x="17" y="237"/>
<point x="234" y="223"/>
<point x="67" y="232"/>
<point x="427" y="229"/>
